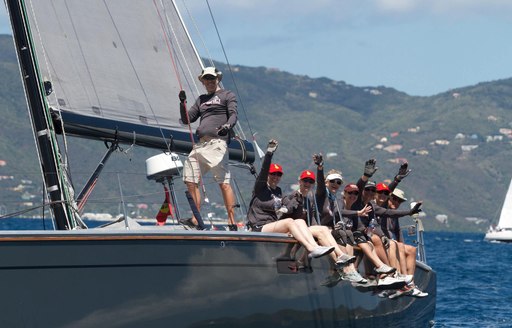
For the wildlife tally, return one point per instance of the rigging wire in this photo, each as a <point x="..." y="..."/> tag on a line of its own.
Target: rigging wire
<point x="230" y="72"/>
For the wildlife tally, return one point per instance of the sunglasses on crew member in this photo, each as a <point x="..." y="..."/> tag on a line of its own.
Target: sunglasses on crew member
<point x="385" y="192"/>
<point x="353" y="193"/>
<point x="209" y="77"/>
<point x="308" y="180"/>
<point x="371" y="190"/>
<point x="396" y="199"/>
<point x="279" y="174"/>
<point x="337" y="181"/>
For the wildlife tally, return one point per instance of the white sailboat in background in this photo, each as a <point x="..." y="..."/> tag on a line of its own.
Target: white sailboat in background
<point x="503" y="231"/>
<point x="111" y="71"/>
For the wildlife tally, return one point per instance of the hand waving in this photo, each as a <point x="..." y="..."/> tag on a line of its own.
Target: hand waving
<point x="403" y="171"/>
<point x="370" y="167"/>
<point x="318" y="159"/>
<point x="272" y="146"/>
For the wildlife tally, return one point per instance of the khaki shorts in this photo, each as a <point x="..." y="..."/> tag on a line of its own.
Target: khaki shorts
<point x="207" y="156"/>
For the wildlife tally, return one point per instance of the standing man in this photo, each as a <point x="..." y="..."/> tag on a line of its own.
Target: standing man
<point x="217" y="111"/>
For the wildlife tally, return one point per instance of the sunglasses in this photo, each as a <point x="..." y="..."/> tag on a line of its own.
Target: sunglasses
<point x="337" y="181"/>
<point x="371" y="190"/>
<point x="279" y="174"/>
<point x="354" y="193"/>
<point x="308" y="180"/>
<point x="396" y="199"/>
<point x="209" y="77"/>
<point x="385" y="192"/>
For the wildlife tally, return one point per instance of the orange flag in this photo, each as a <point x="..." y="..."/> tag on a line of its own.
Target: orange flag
<point x="165" y="209"/>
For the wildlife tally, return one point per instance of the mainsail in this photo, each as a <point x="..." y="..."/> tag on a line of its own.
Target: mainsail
<point x="115" y="69"/>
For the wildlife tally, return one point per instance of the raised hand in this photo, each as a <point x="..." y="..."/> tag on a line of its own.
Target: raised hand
<point x="318" y="159"/>
<point x="272" y="146"/>
<point x="223" y="129"/>
<point x="416" y="208"/>
<point x="183" y="96"/>
<point x="370" y="167"/>
<point x="403" y="171"/>
<point x="367" y="209"/>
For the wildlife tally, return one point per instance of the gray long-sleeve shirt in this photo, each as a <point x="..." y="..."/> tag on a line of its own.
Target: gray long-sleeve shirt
<point x="214" y="110"/>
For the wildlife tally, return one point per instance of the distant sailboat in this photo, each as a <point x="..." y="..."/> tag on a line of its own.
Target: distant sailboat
<point x="111" y="71"/>
<point x="503" y="231"/>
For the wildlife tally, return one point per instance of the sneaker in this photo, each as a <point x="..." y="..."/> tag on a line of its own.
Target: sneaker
<point x="418" y="293"/>
<point x="353" y="276"/>
<point x="344" y="260"/>
<point x="402" y="292"/>
<point x="321" y="251"/>
<point x="385" y="269"/>
<point x="332" y="280"/>
<point x="390" y="281"/>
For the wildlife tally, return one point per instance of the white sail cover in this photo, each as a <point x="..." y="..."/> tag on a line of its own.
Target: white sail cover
<point x="124" y="60"/>
<point x="506" y="212"/>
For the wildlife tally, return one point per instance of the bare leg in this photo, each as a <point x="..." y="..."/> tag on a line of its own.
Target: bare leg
<point x="393" y="255"/>
<point x="229" y="201"/>
<point x="403" y="259"/>
<point x="325" y="238"/>
<point x="379" y="249"/>
<point x="369" y="252"/>
<point x="410" y="258"/>
<point x="193" y="189"/>
<point x="303" y="236"/>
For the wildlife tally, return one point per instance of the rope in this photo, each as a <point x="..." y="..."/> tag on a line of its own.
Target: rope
<point x="175" y="69"/>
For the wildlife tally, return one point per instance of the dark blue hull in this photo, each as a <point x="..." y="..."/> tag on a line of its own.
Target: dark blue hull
<point x="183" y="279"/>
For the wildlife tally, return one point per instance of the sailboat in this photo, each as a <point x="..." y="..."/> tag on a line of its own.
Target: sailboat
<point x="503" y="231"/>
<point x="110" y="71"/>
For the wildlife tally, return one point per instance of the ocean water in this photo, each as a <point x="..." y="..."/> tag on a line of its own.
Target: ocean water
<point x="474" y="277"/>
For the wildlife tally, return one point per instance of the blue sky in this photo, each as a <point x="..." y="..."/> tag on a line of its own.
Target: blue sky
<point x="421" y="47"/>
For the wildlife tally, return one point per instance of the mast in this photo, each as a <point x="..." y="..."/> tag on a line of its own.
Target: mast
<point x="53" y="173"/>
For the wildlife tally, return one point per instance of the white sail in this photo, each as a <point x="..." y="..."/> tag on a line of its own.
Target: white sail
<point x="505" y="221"/>
<point x="115" y="61"/>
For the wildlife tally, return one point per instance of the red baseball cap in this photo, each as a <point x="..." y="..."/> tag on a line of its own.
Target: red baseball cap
<point x="275" y="168"/>
<point x="307" y="174"/>
<point x="381" y="186"/>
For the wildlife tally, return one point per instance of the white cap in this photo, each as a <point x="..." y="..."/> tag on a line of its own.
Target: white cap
<point x="333" y="176"/>
<point x="210" y="71"/>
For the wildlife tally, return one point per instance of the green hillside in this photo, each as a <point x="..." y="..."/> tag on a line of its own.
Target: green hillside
<point x="457" y="142"/>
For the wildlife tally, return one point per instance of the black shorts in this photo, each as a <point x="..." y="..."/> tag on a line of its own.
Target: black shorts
<point x="343" y="237"/>
<point x="360" y="237"/>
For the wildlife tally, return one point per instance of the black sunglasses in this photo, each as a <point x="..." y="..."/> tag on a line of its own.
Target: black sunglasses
<point x="371" y="189"/>
<point x="337" y="181"/>
<point x="385" y="192"/>
<point x="353" y="193"/>
<point x="308" y="180"/>
<point x="396" y="199"/>
<point x="209" y="77"/>
<point x="276" y="173"/>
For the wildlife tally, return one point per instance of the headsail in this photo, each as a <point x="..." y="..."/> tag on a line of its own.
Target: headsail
<point x="116" y="68"/>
